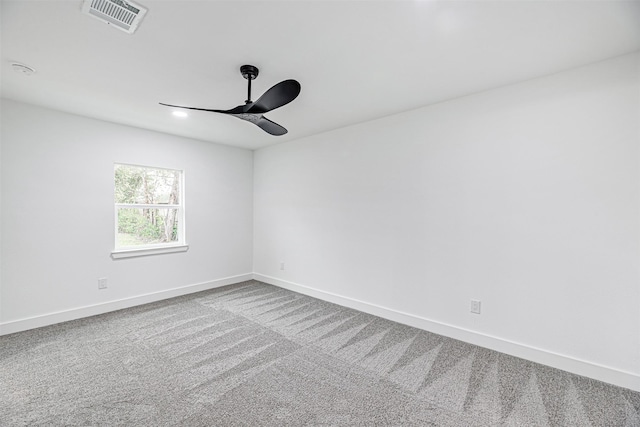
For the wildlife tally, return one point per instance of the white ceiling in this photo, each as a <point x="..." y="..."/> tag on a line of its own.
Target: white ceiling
<point x="356" y="60"/>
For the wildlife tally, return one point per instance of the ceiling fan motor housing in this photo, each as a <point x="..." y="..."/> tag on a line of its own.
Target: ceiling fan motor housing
<point x="249" y="72"/>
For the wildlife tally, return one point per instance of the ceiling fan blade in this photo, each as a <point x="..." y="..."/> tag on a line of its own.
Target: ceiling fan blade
<point x="236" y="110"/>
<point x="279" y="95"/>
<point x="270" y="127"/>
<point x="262" y="122"/>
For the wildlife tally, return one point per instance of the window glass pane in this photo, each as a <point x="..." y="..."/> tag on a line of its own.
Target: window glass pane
<point x="136" y="184"/>
<point x="140" y="226"/>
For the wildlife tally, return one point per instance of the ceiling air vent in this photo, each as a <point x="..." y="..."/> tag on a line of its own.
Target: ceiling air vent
<point x="121" y="14"/>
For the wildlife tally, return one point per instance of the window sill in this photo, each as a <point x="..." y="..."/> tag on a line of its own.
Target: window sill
<point x="130" y="253"/>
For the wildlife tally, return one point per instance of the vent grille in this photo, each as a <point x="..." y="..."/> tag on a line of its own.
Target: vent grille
<point x="121" y="14"/>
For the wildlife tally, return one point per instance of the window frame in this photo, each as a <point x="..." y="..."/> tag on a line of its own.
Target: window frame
<point x="154" y="248"/>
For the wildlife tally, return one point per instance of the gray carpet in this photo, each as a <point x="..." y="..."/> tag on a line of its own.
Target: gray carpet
<point x="252" y="354"/>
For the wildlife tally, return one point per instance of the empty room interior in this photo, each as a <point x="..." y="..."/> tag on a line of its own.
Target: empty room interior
<point x="403" y="213"/>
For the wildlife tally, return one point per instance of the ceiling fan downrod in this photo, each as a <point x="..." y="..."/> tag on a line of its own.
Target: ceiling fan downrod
<point x="249" y="72"/>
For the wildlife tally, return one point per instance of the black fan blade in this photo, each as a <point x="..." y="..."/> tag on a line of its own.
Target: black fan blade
<point x="270" y="127"/>
<point x="264" y="123"/>
<point x="279" y="95"/>
<point x="258" y="119"/>
<point x="239" y="109"/>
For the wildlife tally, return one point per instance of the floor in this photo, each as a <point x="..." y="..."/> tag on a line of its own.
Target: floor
<point x="252" y="354"/>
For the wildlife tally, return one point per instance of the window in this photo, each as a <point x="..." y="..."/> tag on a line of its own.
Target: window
<point x="149" y="211"/>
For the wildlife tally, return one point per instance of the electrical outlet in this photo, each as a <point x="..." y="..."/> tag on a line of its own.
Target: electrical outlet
<point x="102" y="283"/>
<point x="282" y="266"/>
<point x="475" y="306"/>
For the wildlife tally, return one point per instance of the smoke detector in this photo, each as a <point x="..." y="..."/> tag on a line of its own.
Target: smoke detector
<point x="121" y="14"/>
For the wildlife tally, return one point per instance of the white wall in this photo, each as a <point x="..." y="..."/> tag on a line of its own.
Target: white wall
<point x="58" y="220"/>
<point x="525" y="197"/>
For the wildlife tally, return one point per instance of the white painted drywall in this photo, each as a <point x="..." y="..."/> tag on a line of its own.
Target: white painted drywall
<point x="58" y="220"/>
<point x="525" y="197"/>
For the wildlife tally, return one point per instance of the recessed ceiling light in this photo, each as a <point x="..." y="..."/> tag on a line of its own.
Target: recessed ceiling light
<point x="22" y="69"/>
<point x="180" y="114"/>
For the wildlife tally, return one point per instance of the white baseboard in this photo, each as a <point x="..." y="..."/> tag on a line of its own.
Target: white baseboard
<point x="566" y="363"/>
<point x="92" y="310"/>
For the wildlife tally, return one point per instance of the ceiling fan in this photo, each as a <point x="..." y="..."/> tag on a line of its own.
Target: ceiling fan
<point x="277" y="96"/>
